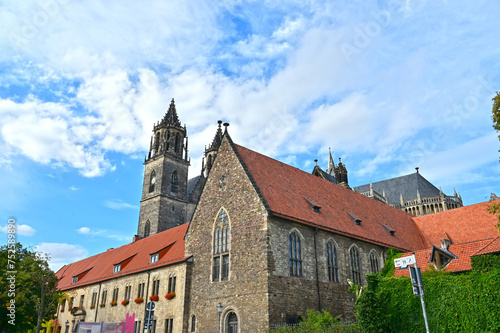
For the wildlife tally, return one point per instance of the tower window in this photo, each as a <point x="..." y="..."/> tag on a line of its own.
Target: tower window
<point x="152" y="181"/>
<point x="295" y="254"/>
<point x="147" y="228"/>
<point x="174" y="188"/>
<point x="221" y="247"/>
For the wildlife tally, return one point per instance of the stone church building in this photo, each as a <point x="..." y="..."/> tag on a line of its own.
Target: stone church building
<point x="249" y="244"/>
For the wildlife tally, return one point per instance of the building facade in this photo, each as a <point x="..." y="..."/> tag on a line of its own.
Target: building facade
<point x="249" y="244"/>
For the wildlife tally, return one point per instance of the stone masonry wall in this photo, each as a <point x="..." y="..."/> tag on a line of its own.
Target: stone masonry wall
<point x="165" y="309"/>
<point x="292" y="296"/>
<point x="245" y="292"/>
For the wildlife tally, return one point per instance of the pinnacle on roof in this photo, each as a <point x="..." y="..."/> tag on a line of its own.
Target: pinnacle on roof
<point x="218" y="137"/>
<point x="171" y="117"/>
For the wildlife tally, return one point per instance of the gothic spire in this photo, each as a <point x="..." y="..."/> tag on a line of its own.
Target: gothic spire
<point x="171" y="117"/>
<point x="331" y="164"/>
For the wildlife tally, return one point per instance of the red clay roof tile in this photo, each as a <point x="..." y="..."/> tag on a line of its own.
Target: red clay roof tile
<point x="460" y="225"/>
<point x="284" y="189"/>
<point x="100" y="267"/>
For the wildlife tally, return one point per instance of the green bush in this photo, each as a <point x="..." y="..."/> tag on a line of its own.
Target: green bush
<point x="319" y="322"/>
<point x="468" y="302"/>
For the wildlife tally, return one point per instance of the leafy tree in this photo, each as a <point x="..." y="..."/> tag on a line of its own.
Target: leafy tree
<point x="33" y="287"/>
<point x="496" y="112"/>
<point x="495" y="207"/>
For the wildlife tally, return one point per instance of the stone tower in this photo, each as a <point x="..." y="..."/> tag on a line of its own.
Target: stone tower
<point x="164" y="202"/>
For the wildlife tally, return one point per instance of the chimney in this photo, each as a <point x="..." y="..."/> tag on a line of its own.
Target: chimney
<point x="445" y="243"/>
<point x="136" y="238"/>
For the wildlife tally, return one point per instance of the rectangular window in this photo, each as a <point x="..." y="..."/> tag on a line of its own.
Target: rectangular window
<point x="171" y="284"/>
<point x="137" y="327"/>
<point x="115" y="295"/>
<point x="153" y="329"/>
<point x="75" y="279"/>
<point x="153" y="258"/>
<point x="128" y="289"/>
<point x="156" y="287"/>
<point x="71" y="303"/>
<point x="81" y="300"/>
<point x="215" y="275"/>
<point x="117" y="268"/>
<point x="169" y="325"/>
<point x="94" y="298"/>
<point x="225" y="267"/>
<point x="104" y="295"/>
<point x="140" y="290"/>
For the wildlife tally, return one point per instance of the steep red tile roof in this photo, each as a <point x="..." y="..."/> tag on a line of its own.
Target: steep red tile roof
<point x="286" y="191"/>
<point x="134" y="258"/>
<point x="460" y="225"/>
<point x="463" y="251"/>
<point x="492" y="247"/>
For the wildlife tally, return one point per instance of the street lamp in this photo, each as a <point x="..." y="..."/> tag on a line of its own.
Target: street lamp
<point x="219" y="310"/>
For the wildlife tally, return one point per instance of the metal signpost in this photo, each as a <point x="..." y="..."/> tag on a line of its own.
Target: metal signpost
<point x="149" y="316"/>
<point x="416" y="280"/>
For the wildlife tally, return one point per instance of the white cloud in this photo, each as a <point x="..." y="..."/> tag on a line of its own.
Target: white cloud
<point x="118" y="204"/>
<point x="61" y="253"/>
<point x="73" y="188"/>
<point x="85" y="231"/>
<point x="21" y="229"/>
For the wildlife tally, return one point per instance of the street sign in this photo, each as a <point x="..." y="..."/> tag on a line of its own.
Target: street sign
<point x="150" y="306"/>
<point x="405" y="261"/>
<point x="414" y="281"/>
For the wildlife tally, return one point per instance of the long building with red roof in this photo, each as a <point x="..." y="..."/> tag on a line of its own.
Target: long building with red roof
<point x="252" y="244"/>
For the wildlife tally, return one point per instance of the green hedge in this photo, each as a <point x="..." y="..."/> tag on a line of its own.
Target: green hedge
<point x="468" y="302"/>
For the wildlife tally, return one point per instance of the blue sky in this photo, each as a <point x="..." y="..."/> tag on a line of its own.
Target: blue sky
<point x="388" y="85"/>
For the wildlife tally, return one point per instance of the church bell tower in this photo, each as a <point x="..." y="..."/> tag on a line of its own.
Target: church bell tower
<point x="164" y="193"/>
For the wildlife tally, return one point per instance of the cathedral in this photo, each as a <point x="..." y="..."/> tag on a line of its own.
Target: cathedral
<point x="249" y="244"/>
<point x="410" y="193"/>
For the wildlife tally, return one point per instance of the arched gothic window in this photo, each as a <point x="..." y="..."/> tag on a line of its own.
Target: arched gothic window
<point x="232" y="323"/>
<point x="193" y="323"/>
<point x="221" y="247"/>
<point x="331" y="258"/>
<point x="374" y="262"/>
<point x="174" y="187"/>
<point x="176" y="147"/>
<point x="147" y="228"/>
<point x="152" y="181"/>
<point x="355" y="265"/>
<point x="295" y="254"/>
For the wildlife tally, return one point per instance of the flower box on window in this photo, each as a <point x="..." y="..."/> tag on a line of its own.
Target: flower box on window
<point x="92" y="306"/>
<point x="102" y="305"/>
<point x="70" y="308"/>
<point x="62" y="310"/>
<point x="125" y="302"/>
<point x="113" y="303"/>
<point x="139" y="300"/>
<point x="154" y="298"/>
<point x="170" y="295"/>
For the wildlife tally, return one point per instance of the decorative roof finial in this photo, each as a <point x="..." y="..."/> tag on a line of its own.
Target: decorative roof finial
<point x="225" y="125"/>
<point x="417" y="169"/>
<point x="316" y="160"/>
